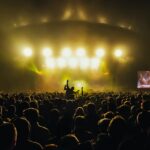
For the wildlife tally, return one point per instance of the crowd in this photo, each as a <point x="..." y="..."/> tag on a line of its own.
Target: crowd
<point x="98" y="121"/>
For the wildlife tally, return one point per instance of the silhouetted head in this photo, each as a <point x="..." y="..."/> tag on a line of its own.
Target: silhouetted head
<point x="51" y="147"/>
<point x="117" y="127"/>
<point x="80" y="123"/>
<point x="34" y="104"/>
<point x="143" y="120"/>
<point x="145" y="105"/>
<point x="103" y="125"/>
<point x="24" y="105"/>
<point x="32" y="115"/>
<point x="69" y="142"/>
<point x="8" y="136"/>
<point x="109" y="115"/>
<point x="79" y="112"/>
<point x="91" y="108"/>
<point x="23" y="128"/>
<point x="11" y="109"/>
<point x="124" y="111"/>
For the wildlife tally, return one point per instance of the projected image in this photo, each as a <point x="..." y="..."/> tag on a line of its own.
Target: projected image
<point x="143" y="79"/>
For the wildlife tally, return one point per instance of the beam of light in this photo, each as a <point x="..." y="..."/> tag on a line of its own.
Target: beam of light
<point x="118" y="53"/>
<point x="35" y="69"/>
<point x="95" y="63"/>
<point x="47" y="52"/>
<point x="81" y="52"/>
<point x="27" y="52"/>
<point x="84" y="63"/>
<point x="50" y="63"/>
<point x="73" y="63"/>
<point x="61" y="63"/>
<point x="66" y="52"/>
<point x="100" y="52"/>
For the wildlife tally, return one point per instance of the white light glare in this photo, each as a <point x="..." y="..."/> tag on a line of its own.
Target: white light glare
<point x="66" y="52"/>
<point x="50" y="63"/>
<point x="80" y="52"/>
<point x="27" y="52"/>
<point x="73" y="63"/>
<point x="100" y="52"/>
<point x="84" y="63"/>
<point x="47" y="52"/>
<point x="95" y="62"/>
<point x="61" y="63"/>
<point x="118" y="53"/>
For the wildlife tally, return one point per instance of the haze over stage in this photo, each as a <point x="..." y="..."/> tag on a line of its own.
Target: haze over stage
<point x="29" y="39"/>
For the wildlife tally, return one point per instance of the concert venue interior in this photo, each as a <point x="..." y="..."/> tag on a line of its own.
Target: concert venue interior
<point x="99" y="51"/>
<point x="74" y="75"/>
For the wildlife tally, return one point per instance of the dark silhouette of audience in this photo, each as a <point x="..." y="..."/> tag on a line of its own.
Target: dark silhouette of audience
<point x="8" y="136"/>
<point x="38" y="133"/>
<point x="23" y="129"/>
<point x="57" y="121"/>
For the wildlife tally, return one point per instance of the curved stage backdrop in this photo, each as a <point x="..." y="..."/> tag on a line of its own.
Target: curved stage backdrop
<point x="93" y="55"/>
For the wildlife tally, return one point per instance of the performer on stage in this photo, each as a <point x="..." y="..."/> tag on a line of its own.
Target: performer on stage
<point x="69" y="91"/>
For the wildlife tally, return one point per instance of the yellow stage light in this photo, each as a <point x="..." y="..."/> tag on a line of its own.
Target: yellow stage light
<point x="102" y="20"/>
<point x="79" y="84"/>
<point x="84" y="63"/>
<point x="61" y="63"/>
<point x="67" y="14"/>
<point x="50" y="63"/>
<point x="73" y="63"/>
<point x="100" y="52"/>
<point x="27" y="52"/>
<point x="95" y="62"/>
<point x="47" y="52"/>
<point x="66" y="52"/>
<point x="118" y="53"/>
<point x="80" y="52"/>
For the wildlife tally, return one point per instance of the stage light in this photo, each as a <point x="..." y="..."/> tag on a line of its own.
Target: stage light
<point x="27" y="52"/>
<point x="118" y="53"/>
<point x="47" y="52"/>
<point x="100" y="52"/>
<point x="73" y="63"/>
<point x="82" y="14"/>
<point x="84" y="63"/>
<point x="66" y="52"/>
<point x="95" y="62"/>
<point x="50" y="63"/>
<point x="79" y="84"/>
<point x="61" y="63"/>
<point x="80" y="52"/>
<point x="67" y="14"/>
<point x="102" y="20"/>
